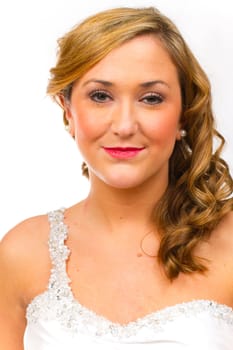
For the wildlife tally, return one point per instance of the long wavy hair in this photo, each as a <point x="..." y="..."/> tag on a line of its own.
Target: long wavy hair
<point x="200" y="187"/>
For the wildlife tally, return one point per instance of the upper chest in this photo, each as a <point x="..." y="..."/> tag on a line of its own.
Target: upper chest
<point x="125" y="287"/>
<point x="114" y="281"/>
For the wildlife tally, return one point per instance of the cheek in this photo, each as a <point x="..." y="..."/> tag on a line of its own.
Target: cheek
<point x="86" y="127"/>
<point x="164" y="129"/>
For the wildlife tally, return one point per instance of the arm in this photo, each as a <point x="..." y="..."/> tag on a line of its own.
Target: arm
<point x="12" y="282"/>
<point x="24" y="271"/>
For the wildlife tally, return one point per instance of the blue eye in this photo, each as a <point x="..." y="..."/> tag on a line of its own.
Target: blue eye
<point x="152" y="99"/>
<point x="100" y="96"/>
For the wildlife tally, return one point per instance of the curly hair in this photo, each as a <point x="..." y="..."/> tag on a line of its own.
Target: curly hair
<point x="200" y="187"/>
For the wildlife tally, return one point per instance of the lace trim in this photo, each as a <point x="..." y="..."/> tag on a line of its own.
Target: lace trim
<point x="58" y="302"/>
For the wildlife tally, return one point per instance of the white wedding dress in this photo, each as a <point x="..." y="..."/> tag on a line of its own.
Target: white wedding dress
<point x="56" y="321"/>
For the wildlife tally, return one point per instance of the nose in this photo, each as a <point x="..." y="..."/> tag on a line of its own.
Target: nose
<point x="124" y="120"/>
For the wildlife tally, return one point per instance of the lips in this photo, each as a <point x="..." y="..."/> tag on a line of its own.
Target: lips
<point x="123" y="152"/>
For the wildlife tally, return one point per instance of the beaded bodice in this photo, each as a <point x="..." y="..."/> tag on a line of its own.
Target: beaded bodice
<point x="58" y="306"/>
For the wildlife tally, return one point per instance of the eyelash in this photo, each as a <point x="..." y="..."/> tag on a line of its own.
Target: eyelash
<point x="97" y="94"/>
<point x="157" y="98"/>
<point x="94" y="95"/>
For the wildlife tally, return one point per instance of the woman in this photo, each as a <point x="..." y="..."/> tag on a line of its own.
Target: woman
<point x="146" y="259"/>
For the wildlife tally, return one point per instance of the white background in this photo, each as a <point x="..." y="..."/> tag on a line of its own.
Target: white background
<point x="40" y="165"/>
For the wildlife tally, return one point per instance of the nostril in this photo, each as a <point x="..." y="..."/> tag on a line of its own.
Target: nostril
<point x="124" y="126"/>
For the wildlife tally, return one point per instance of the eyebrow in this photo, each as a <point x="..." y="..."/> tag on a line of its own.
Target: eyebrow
<point x="145" y="84"/>
<point x="154" y="82"/>
<point x="103" y="82"/>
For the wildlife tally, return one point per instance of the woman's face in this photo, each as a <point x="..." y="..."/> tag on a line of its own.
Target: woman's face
<point x="124" y="114"/>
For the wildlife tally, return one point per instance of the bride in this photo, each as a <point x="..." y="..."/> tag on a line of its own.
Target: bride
<point x="146" y="259"/>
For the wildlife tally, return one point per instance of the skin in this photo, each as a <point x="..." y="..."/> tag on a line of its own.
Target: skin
<point x="122" y="107"/>
<point x="107" y="228"/>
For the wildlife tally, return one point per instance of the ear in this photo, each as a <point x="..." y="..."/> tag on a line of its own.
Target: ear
<point x="178" y="135"/>
<point x="68" y="117"/>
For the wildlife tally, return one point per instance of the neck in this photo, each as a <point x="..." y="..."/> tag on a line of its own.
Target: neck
<point x="121" y="210"/>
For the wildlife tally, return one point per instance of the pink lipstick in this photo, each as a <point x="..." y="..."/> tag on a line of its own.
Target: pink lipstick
<point x="123" y="152"/>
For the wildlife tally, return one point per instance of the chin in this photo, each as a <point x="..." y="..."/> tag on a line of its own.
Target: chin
<point x="123" y="185"/>
<point x="123" y="181"/>
<point x="125" y="178"/>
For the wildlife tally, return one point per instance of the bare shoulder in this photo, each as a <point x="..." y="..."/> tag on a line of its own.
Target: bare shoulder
<point x="22" y="249"/>
<point x="225" y="227"/>
<point x="23" y="261"/>
<point x="229" y="219"/>
<point x="222" y="241"/>
<point x="24" y="236"/>
<point x="219" y="246"/>
<point x="25" y="231"/>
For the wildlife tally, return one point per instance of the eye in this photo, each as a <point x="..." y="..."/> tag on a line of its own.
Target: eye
<point x="152" y="99"/>
<point x="100" y="96"/>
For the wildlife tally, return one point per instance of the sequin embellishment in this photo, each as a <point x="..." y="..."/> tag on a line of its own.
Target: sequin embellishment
<point x="58" y="303"/>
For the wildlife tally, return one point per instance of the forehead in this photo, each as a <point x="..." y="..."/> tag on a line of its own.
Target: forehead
<point x="141" y="57"/>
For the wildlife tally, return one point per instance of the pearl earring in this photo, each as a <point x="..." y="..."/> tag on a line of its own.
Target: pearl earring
<point x="183" y="133"/>
<point x="187" y="150"/>
<point x="67" y="128"/>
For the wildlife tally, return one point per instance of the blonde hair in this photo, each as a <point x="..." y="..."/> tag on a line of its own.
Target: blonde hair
<point x="200" y="185"/>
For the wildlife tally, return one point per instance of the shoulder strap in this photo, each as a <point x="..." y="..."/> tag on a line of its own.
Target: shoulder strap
<point x="59" y="253"/>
